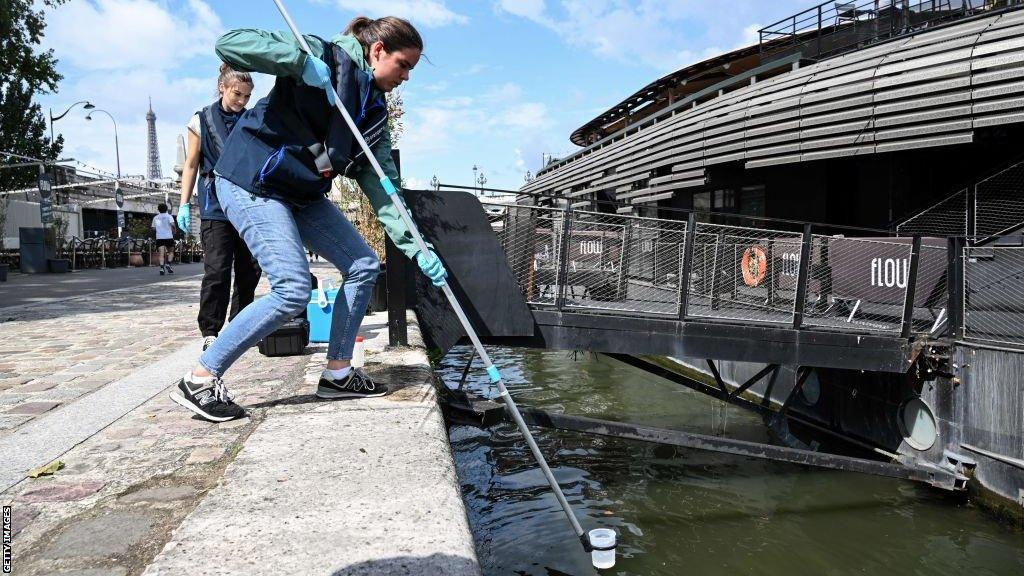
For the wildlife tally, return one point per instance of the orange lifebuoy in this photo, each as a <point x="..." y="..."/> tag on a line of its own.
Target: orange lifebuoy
<point x="754" y="266"/>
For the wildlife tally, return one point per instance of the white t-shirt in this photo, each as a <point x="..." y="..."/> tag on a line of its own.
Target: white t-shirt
<point x="196" y="126"/>
<point x="164" y="225"/>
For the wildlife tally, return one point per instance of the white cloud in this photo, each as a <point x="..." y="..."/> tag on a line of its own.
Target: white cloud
<point x="530" y="9"/>
<point x="525" y="116"/>
<point x="118" y="34"/>
<point x="159" y="49"/>
<point x="662" y="34"/>
<point x="429" y="13"/>
<point x="416" y="183"/>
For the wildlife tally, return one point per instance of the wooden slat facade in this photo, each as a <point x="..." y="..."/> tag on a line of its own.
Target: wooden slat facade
<point x="934" y="88"/>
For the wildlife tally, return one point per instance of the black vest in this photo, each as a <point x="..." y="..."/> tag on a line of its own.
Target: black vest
<point x="215" y="127"/>
<point x="293" y="142"/>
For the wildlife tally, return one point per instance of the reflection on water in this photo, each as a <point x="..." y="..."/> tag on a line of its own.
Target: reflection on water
<point x="681" y="511"/>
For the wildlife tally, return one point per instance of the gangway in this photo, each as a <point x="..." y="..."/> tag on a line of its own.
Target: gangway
<point x="712" y="286"/>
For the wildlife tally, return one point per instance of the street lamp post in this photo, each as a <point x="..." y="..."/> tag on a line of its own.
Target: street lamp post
<point x="481" y="181"/>
<point x="117" y="148"/>
<point x="435" y="183"/>
<point x="117" y="154"/>
<point x="88" y="106"/>
<point x="475" y="169"/>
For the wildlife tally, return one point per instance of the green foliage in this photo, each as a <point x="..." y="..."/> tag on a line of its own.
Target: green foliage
<point x="137" y="228"/>
<point x="353" y="202"/>
<point x="25" y="71"/>
<point x="57" y="231"/>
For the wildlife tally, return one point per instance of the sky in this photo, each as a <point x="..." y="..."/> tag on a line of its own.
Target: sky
<point x="503" y="81"/>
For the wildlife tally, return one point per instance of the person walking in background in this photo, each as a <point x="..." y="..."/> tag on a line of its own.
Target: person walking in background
<point x="224" y="249"/>
<point x="272" y="179"/>
<point x="163" y="225"/>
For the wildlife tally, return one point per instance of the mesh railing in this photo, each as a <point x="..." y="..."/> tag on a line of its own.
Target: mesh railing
<point x="530" y="237"/>
<point x="982" y="212"/>
<point x="931" y="296"/>
<point x="857" y="283"/>
<point x="994" y="294"/>
<point x="999" y="203"/>
<point x="611" y="263"/>
<point x="947" y="217"/>
<point x="623" y="263"/>
<point x="743" y="273"/>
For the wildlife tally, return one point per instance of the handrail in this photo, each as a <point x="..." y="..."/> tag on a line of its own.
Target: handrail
<point x="685" y="211"/>
<point x="821" y="21"/>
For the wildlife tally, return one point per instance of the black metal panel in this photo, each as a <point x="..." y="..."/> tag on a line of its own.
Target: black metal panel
<point x="744" y="343"/>
<point x="478" y="272"/>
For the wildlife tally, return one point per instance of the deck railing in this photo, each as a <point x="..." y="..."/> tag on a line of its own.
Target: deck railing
<point x="832" y="28"/>
<point x="714" y="270"/>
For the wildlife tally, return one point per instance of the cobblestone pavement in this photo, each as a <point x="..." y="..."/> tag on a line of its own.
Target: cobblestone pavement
<point x="113" y="506"/>
<point x="54" y="353"/>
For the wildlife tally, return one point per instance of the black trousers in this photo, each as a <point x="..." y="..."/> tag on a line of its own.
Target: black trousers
<point x="223" y="250"/>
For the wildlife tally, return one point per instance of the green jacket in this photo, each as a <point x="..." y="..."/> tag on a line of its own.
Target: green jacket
<point x="278" y="54"/>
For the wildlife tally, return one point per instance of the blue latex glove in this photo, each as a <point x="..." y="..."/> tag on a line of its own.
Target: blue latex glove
<point x="432" y="267"/>
<point x="184" y="217"/>
<point x="316" y="73"/>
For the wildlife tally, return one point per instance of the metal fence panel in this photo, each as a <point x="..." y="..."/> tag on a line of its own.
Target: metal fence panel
<point x="999" y="203"/>
<point x="947" y="217"/>
<point x="742" y="273"/>
<point x="531" y="237"/>
<point x="623" y="263"/>
<point x="858" y="284"/>
<point x="994" y="294"/>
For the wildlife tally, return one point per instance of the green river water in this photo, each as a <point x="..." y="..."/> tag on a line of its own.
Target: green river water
<point x="685" y="512"/>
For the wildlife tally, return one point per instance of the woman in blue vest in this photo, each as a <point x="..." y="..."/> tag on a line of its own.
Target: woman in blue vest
<point x="272" y="179"/>
<point x="223" y="248"/>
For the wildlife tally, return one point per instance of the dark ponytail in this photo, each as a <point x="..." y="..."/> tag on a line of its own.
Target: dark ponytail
<point x="395" y="33"/>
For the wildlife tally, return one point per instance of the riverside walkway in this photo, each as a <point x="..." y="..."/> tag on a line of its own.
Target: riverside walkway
<point x="301" y="487"/>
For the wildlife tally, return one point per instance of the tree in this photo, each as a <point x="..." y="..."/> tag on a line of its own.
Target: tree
<point x="24" y="72"/>
<point x="350" y="198"/>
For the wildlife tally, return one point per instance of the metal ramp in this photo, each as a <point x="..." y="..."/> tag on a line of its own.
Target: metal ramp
<point x="753" y="289"/>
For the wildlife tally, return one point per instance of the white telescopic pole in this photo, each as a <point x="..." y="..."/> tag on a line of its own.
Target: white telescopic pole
<point x="492" y="371"/>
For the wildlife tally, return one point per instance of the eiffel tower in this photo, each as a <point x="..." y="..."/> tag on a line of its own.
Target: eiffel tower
<point x="153" y="171"/>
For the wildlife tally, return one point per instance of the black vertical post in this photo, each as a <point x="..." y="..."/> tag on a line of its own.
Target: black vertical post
<point x="801" y="278"/>
<point x="955" y="285"/>
<point x="908" y="306"/>
<point x="622" y="279"/>
<point x="398" y="278"/>
<point x="972" y="214"/>
<point x="716" y="276"/>
<point x="684" y="274"/>
<point x="561" y="280"/>
<point x="818" y="35"/>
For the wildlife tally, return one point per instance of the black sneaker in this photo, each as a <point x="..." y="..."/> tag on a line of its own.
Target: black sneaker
<point x="169" y="269"/>
<point x="161" y="270"/>
<point x="211" y="401"/>
<point x="356" y="385"/>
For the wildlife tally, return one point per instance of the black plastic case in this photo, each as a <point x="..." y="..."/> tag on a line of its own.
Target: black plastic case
<point x="290" y="339"/>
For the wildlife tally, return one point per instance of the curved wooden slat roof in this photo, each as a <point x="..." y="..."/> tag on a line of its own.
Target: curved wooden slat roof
<point x="930" y="89"/>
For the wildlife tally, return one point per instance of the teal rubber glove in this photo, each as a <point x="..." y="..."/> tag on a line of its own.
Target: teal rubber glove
<point x="184" y="218"/>
<point x="316" y="73"/>
<point x="432" y="267"/>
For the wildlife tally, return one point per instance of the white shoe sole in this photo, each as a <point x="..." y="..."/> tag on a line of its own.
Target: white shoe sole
<point x="181" y="401"/>
<point x="338" y="395"/>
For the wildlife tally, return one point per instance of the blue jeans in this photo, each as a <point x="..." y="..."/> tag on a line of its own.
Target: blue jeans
<point x="275" y="232"/>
